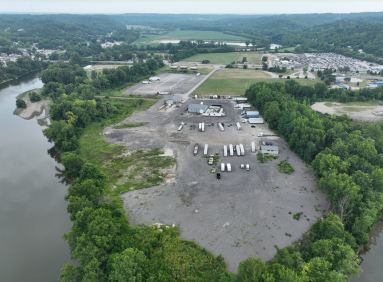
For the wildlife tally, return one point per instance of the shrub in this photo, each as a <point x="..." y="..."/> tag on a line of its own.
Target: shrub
<point x="20" y="103"/>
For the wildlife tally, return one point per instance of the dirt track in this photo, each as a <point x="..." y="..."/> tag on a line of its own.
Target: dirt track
<point x="244" y="214"/>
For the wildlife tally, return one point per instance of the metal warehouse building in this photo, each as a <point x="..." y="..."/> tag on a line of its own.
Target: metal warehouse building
<point x="197" y="108"/>
<point x="269" y="150"/>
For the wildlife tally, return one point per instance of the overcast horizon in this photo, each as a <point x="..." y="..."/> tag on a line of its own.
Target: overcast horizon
<point x="255" y="7"/>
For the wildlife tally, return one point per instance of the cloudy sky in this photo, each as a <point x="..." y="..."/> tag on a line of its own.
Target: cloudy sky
<point x="187" y="6"/>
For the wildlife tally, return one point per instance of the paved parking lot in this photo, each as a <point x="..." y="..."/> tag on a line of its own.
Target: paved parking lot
<point x="173" y="83"/>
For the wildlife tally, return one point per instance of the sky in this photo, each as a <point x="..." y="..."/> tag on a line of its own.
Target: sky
<point x="191" y="7"/>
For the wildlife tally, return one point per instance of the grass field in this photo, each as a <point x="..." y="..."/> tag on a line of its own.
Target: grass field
<point x="252" y="57"/>
<point x="237" y="86"/>
<point x="190" y="35"/>
<point x="215" y="58"/>
<point x="239" y="74"/>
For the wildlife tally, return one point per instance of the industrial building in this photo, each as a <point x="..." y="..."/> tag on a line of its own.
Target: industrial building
<point x="197" y="108"/>
<point x="269" y="150"/>
<point x="175" y="99"/>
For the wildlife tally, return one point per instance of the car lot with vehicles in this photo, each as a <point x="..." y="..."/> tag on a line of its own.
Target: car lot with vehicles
<point x="243" y="214"/>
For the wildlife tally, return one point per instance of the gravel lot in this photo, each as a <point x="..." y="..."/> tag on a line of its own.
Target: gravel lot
<point x="173" y="83"/>
<point x="245" y="213"/>
<point x="357" y="113"/>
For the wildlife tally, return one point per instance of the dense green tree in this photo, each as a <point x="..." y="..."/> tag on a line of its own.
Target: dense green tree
<point x="127" y="266"/>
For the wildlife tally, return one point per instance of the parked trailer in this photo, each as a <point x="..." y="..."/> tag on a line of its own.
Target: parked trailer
<point x="253" y="147"/>
<point x="228" y="167"/>
<point x="238" y="126"/>
<point x="198" y="74"/>
<point x="222" y="166"/>
<point x="265" y="135"/>
<point x="220" y="127"/>
<point x="193" y="68"/>
<point x="195" y="149"/>
<point x="200" y="127"/>
<point x="242" y="149"/>
<point x="231" y="150"/>
<point x="205" y="150"/>
<point x="179" y="128"/>
<point x="203" y="127"/>
<point x="225" y="151"/>
<point x="238" y="150"/>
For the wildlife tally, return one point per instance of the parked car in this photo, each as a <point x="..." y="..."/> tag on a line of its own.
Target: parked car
<point x="242" y="166"/>
<point x="218" y="176"/>
<point x="247" y="167"/>
<point x="253" y="126"/>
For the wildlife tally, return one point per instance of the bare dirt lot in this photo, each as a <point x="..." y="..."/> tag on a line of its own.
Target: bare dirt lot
<point x="245" y="213"/>
<point x="368" y="113"/>
<point x="170" y="82"/>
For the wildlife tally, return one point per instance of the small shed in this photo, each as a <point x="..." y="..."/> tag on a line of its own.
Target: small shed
<point x="197" y="108"/>
<point x="270" y="150"/>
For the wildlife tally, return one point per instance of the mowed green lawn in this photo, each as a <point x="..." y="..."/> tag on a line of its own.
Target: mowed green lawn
<point x="238" y="86"/>
<point x="190" y="35"/>
<point x="214" y="58"/>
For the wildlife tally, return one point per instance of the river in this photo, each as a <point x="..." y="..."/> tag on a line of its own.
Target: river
<point x="33" y="213"/>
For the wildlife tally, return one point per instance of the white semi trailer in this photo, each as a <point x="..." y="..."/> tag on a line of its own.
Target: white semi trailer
<point x="242" y="149"/>
<point x="253" y="147"/>
<point x="220" y="127"/>
<point x="179" y="128"/>
<point x="203" y="127"/>
<point x="200" y="127"/>
<point x="225" y="151"/>
<point x="222" y="166"/>
<point x="205" y="150"/>
<point x="228" y="167"/>
<point x="238" y="150"/>
<point x="231" y="150"/>
<point x="238" y="126"/>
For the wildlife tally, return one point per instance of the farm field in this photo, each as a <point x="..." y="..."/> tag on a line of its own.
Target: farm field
<point x="190" y="35"/>
<point x="252" y="57"/>
<point x="237" y="86"/>
<point x="215" y="58"/>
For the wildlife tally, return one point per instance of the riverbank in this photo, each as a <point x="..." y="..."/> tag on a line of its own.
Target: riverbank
<point x="20" y="76"/>
<point x="33" y="109"/>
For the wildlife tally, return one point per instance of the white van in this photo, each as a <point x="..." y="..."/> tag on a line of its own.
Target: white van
<point x="247" y="167"/>
<point x="223" y="167"/>
<point x="228" y="167"/>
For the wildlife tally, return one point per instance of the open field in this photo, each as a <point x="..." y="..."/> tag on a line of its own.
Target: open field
<point x="252" y="57"/>
<point x="215" y="58"/>
<point x="189" y="35"/>
<point x="204" y="69"/>
<point x="239" y="74"/>
<point x="244" y="214"/>
<point x="238" y="86"/>
<point x="358" y="111"/>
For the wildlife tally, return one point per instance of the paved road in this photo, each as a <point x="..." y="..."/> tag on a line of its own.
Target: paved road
<point x="216" y="67"/>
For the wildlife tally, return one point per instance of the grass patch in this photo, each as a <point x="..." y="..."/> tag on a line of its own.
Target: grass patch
<point x="285" y="167"/>
<point x="127" y="125"/>
<point x="18" y="111"/>
<point x="297" y="216"/>
<point x="353" y="109"/>
<point x="239" y="74"/>
<point x="215" y="58"/>
<point x="125" y="169"/>
<point x="266" y="158"/>
<point x="189" y="35"/>
<point x="238" y="86"/>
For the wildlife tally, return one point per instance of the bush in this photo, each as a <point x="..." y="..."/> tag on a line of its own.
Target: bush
<point x="205" y="62"/>
<point x="285" y="167"/>
<point x="34" y="97"/>
<point x="20" y="103"/>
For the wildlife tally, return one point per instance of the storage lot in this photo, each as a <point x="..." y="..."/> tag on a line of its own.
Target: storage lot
<point x="173" y="83"/>
<point x="245" y="213"/>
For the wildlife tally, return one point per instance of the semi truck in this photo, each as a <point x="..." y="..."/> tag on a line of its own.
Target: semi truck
<point x="203" y="127"/>
<point x="242" y="149"/>
<point x="195" y="149"/>
<point x="179" y="128"/>
<point x="238" y="150"/>
<point x="266" y="134"/>
<point x="205" y="150"/>
<point x="200" y="127"/>
<point x="231" y="150"/>
<point x="225" y="151"/>
<point x="228" y="167"/>
<point x="220" y="127"/>
<point x="238" y="126"/>
<point x="253" y="147"/>
<point x="251" y="114"/>
<point x="222" y="166"/>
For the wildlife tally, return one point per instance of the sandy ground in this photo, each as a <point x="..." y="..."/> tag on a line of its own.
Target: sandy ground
<point x="34" y="109"/>
<point x="357" y="113"/>
<point x="245" y="213"/>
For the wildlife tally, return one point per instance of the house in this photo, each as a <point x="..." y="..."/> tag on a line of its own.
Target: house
<point x="269" y="150"/>
<point x="197" y="108"/>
